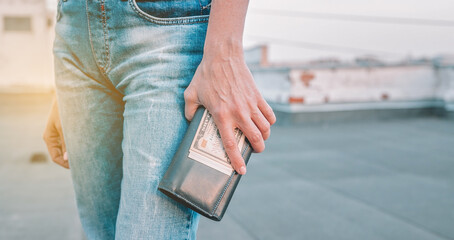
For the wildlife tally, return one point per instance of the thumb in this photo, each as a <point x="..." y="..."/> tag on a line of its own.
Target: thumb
<point x="65" y="156"/>
<point x="190" y="105"/>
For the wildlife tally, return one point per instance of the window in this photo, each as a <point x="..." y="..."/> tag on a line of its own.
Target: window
<point x="20" y="24"/>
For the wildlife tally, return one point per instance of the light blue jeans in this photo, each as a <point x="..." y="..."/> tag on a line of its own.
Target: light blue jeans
<point x="121" y="70"/>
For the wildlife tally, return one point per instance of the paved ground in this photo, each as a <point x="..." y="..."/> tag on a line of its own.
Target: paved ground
<point x="366" y="180"/>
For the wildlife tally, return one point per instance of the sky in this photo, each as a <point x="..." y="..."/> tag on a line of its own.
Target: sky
<point x="296" y="37"/>
<point x="387" y="41"/>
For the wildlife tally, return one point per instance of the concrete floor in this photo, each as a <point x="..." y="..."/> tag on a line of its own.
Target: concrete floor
<point x="365" y="180"/>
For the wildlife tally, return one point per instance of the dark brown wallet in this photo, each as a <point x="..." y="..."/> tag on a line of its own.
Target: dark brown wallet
<point x="200" y="176"/>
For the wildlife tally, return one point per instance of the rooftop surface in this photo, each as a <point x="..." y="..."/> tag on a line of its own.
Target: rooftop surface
<point x="370" y="180"/>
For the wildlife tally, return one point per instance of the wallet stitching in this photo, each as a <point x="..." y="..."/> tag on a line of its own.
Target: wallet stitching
<point x="188" y="201"/>
<point x="222" y="194"/>
<point x="219" y="199"/>
<point x="227" y="185"/>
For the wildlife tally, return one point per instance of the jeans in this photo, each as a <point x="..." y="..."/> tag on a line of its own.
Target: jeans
<point x="121" y="69"/>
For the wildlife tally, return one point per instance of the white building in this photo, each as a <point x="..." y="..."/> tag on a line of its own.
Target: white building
<point x="366" y="84"/>
<point x="26" y="37"/>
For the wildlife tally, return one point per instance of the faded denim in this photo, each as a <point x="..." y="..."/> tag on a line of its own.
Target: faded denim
<point x="121" y="69"/>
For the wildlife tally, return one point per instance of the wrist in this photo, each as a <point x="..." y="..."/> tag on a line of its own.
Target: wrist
<point x="223" y="49"/>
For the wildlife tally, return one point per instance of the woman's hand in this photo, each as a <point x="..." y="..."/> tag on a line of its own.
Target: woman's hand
<point x="224" y="85"/>
<point x="53" y="136"/>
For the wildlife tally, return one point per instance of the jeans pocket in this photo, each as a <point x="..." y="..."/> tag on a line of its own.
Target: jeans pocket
<point x="172" y="12"/>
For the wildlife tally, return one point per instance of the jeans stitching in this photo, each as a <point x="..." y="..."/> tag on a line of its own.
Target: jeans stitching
<point x="191" y="216"/>
<point x="207" y="6"/>
<point x="106" y="36"/>
<point x="168" y="21"/>
<point x="201" y="7"/>
<point x="101" y="69"/>
<point x="90" y="37"/>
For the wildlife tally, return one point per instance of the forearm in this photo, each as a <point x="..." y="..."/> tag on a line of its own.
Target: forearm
<point x="225" y="86"/>
<point x="225" y="28"/>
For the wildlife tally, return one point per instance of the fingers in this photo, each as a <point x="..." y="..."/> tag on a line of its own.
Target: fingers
<point x="58" y="157"/>
<point x="190" y="105"/>
<point x="262" y="124"/>
<point x="253" y="134"/>
<point x="256" y="128"/>
<point x="267" y="111"/>
<point x="231" y="147"/>
<point x="63" y="145"/>
<point x="53" y="137"/>
<point x="55" y="149"/>
<point x="62" y="139"/>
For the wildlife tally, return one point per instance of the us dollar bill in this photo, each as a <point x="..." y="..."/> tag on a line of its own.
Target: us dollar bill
<point x="207" y="147"/>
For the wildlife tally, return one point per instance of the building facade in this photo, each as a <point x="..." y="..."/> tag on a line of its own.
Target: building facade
<point x="26" y="36"/>
<point x="363" y="84"/>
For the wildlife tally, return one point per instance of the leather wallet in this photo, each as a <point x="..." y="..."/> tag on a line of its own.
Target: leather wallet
<point x="200" y="175"/>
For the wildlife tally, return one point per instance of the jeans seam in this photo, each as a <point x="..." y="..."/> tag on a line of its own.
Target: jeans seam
<point x="203" y="8"/>
<point x="206" y="7"/>
<point x="106" y="36"/>
<point x="90" y="36"/>
<point x="191" y="216"/>
<point x="101" y="69"/>
<point x="168" y="21"/>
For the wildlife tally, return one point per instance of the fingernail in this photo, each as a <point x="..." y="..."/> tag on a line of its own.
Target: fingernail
<point x="243" y="170"/>
<point x="65" y="156"/>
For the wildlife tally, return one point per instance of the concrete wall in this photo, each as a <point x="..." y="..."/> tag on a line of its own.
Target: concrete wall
<point x="418" y="87"/>
<point x="328" y="86"/>
<point x="365" y="84"/>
